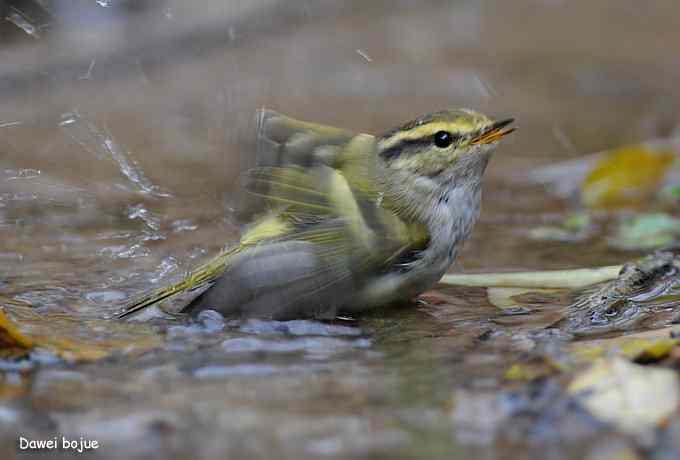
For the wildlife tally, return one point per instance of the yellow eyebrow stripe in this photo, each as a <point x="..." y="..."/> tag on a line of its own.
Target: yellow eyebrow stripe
<point x="423" y="131"/>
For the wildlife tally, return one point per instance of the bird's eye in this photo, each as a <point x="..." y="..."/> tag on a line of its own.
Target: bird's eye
<point x="443" y="139"/>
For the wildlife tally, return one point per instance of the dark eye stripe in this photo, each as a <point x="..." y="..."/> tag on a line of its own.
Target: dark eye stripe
<point x="403" y="147"/>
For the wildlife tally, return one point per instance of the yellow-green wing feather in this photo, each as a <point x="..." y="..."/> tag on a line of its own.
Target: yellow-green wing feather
<point x="285" y="141"/>
<point x="322" y="183"/>
<point x="196" y="280"/>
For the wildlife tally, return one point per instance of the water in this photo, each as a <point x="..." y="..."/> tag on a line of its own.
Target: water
<point x="120" y="165"/>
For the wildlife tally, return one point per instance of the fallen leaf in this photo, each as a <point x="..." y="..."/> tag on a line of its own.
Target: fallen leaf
<point x="74" y="337"/>
<point x="632" y="397"/>
<point x="13" y="344"/>
<point x="575" y="278"/>
<point x="642" y="347"/>
<point x="647" y="231"/>
<point x="626" y="177"/>
<point x="575" y="227"/>
<point x="527" y="371"/>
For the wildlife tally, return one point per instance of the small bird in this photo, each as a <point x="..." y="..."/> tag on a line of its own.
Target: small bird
<point x="354" y="221"/>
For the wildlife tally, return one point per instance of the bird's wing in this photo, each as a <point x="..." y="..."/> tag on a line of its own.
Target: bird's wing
<point x="339" y="207"/>
<point x="283" y="141"/>
<point x="337" y="212"/>
<point x="322" y="184"/>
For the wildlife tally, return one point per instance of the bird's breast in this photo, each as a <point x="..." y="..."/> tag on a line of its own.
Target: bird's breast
<point x="453" y="215"/>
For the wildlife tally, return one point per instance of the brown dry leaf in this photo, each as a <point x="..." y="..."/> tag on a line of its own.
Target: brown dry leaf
<point x="76" y="338"/>
<point x="626" y="177"/>
<point x="12" y="389"/>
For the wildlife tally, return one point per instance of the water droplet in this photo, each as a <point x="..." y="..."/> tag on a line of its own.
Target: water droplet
<point x="138" y="211"/>
<point x="364" y="55"/>
<point x="124" y="252"/>
<point x="16" y="18"/>
<point x="195" y="253"/>
<point x="68" y="118"/>
<point x="168" y="265"/>
<point x="11" y="257"/>
<point x="27" y="173"/>
<point x="183" y="225"/>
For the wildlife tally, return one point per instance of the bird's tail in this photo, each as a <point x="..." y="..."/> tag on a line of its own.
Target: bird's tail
<point x="196" y="281"/>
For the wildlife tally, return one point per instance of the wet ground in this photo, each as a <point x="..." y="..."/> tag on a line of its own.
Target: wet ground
<point x="123" y="130"/>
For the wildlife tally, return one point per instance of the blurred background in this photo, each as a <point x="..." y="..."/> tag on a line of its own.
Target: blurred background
<point x="125" y="125"/>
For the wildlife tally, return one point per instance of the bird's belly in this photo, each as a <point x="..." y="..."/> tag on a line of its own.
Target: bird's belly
<point x="283" y="280"/>
<point x="288" y="280"/>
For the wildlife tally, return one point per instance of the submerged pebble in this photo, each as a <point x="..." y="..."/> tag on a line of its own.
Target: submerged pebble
<point x="253" y="370"/>
<point x="21" y="365"/>
<point x="207" y="322"/>
<point x="296" y="327"/>
<point x="242" y="370"/>
<point x="211" y="320"/>
<point x="323" y="345"/>
<point x="9" y="415"/>
<point x="44" y="357"/>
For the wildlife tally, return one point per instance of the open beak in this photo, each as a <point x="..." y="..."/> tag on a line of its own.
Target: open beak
<point x="493" y="132"/>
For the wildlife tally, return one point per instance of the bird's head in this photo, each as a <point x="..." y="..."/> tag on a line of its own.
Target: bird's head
<point x="449" y="145"/>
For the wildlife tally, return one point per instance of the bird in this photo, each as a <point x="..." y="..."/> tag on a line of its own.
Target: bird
<point x="353" y="221"/>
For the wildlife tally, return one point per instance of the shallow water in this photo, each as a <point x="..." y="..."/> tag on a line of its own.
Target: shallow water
<point x="121" y="149"/>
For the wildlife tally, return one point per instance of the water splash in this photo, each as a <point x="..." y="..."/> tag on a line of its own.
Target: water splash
<point x="88" y="75"/>
<point x="101" y="144"/>
<point x="183" y="225"/>
<point x="10" y="257"/>
<point x="197" y="253"/>
<point x="139" y="211"/>
<point x="19" y="20"/>
<point x="18" y="196"/>
<point x="124" y="251"/>
<point x="364" y="55"/>
<point x="14" y="174"/>
<point x="168" y="265"/>
<point x="484" y="87"/>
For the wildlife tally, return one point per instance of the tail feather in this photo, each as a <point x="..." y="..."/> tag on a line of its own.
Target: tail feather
<point x="198" y="280"/>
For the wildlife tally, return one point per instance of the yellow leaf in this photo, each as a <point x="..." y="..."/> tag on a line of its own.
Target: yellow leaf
<point x="12" y="342"/>
<point x="74" y="337"/>
<point x="642" y="347"/>
<point x="525" y="372"/>
<point x="626" y="177"/>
